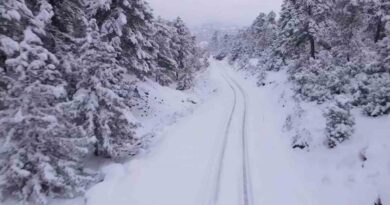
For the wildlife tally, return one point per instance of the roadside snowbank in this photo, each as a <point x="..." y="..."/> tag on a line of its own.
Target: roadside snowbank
<point x="356" y="172"/>
<point x="161" y="108"/>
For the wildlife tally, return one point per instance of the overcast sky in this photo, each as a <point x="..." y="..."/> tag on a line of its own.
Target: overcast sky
<point x="198" y="12"/>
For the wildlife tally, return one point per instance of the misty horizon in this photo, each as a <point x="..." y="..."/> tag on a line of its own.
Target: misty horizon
<point x="203" y="12"/>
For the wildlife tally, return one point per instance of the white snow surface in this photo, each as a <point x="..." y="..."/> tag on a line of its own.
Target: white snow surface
<point x="8" y="45"/>
<point x="184" y="167"/>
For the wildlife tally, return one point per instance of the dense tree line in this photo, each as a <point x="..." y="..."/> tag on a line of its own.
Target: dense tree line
<point x="68" y="73"/>
<point x="332" y="49"/>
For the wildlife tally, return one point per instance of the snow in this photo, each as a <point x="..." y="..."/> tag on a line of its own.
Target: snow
<point x="276" y="178"/>
<point x="30" y="37"/>
<point x="240" y="136"/>
<point x="104" y="4"/>
<point x="175" y="170"/>
<point x="11" y="15"/>
<point x="340" y="176"/>
<point x="18" y="116"/>
<point x="8" y="45"/>
<point x="58" y="91"/>
<point x="182" y="166"/>
<point x="122" y="19"/>
<point x="165" y="105"/>
<point x="45" y="13"/>
<point x="126" y="3"/>
<point x="5" y="143"/>
<point x="326" y="176"/>
<point x="120" y="22"/>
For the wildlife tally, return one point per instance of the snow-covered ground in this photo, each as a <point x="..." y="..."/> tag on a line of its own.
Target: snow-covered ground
<point x="233" y="146"/>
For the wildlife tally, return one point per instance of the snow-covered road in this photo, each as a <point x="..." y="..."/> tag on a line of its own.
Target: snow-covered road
<point x="234" y="143"/>
<point x="228" y="152"/>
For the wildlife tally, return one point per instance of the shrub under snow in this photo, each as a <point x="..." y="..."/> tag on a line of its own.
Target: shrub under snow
<point x="339" y="123"/>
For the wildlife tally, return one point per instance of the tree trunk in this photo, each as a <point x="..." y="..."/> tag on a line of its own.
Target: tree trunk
<point x="378" y="32"/>
<point x="312" y="47"/>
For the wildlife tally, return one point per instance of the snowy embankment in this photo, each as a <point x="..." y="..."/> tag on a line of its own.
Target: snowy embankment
<point x="356" y="172"/>
<point x="159" y="110"/>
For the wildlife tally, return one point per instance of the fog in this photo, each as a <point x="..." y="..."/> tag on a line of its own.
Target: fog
<point x="198" y="12"/>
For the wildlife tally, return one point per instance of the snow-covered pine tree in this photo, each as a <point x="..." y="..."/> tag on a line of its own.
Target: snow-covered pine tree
<point x="100" y="103"/>
<point x="239" y="47"/>
<point x="36" y="139"/>
<point x="168" y="47"/>
<point x="227" y="43"/>
<point x="178" y="53"/>
<point x="383" y="48"/>
<point x="258" y="24"/>
<point x="257" y="33"/>
<point x="261" y="35"/>
<point x="66" y="34"/>
<point x="188" y="58"/>
<point x="288" y="28"/>
<point x="266" y="35"/>
<point x="221" y="44"/>
<point x="253" y="42"/>
<point x="376" y="13"/>
<point x="344" y="35"/>
<point x="302" y="24"/>
<point x="215" y="42"/>
<point x="374" y="82"/>
<point x="374" y="85"/>
<point x="132" y="22"/>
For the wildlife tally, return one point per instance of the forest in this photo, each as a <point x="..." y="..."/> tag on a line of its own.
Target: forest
<point x="68" y="81"/>
<point x="334" y="51"/>
<point x="70" y="72"/>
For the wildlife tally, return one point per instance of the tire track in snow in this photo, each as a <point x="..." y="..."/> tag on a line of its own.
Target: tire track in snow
<point x="224" y="145"/>
<point x="246" y="179"/>
<point x="247" y="186"/>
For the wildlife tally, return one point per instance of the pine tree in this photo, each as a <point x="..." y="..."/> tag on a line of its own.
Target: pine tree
<point x="68" y="71"/>
<point x="165" y="37"/>
<point x="214" y="45"/>
<point x="100" y="101"/>
<point x="262" y="33"/>
<point x="302" y="24"/>
<point x="132" y="22"/>
<point x="288" y="23"/>
<point x="384" y="49"/>
<point x="188" y="61"/>
<point x="36" y="137"/>
<point x="178" y="54"/>
<point x="376" y="13"/>
<point x="374" y="87"/>
<point x="344" y="34"/>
